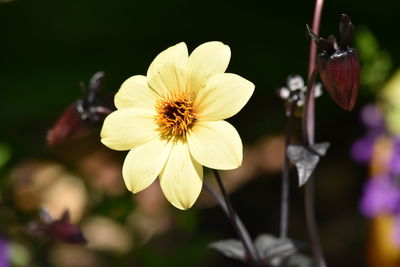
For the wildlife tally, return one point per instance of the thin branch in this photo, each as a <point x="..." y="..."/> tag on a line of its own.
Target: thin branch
<point x="308" y="136"/>
<point x="285" y="175"/>
<point x="309" y="109"/>
<point x="319" y="4"/>
<point x="237" y="223"/>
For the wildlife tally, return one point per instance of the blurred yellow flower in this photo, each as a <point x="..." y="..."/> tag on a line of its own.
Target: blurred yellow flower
<point x="172" y="121"/>
<point x="390" y="102"/>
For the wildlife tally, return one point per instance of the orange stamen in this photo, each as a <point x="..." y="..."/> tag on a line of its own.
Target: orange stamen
<point x="175" y="116"/>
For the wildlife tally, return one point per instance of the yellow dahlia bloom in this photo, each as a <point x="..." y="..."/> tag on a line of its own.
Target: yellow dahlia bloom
<point x="172" y="121"/>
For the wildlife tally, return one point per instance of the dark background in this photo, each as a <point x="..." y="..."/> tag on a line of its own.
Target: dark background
<point x="47" y="47"/>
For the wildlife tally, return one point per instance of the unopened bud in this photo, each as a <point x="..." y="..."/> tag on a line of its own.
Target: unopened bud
<point x="58" y="230"/>
<point x="339" y="66"/>
<point x="77" y="119"/>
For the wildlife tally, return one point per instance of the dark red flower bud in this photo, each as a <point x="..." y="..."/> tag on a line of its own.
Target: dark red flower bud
<point x="340" y="74"/>
<point x="59" y="230"/>
<point x="64" y="231"/>
<point x="69" y="126"/>
<point x="77" y="119"/>
<point x="339" y="66"/>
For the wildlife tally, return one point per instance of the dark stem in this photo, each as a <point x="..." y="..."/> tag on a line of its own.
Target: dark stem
<point x="312" y="225"/>
<point x="309" y="110"/>
<point x="102" y="110"/>
<point x="319" y="4"/>
<point x="308" y="136"/>
<point x="224" y="202"/>
<point x="41" y="249"/>
<point x="285" y="175"/>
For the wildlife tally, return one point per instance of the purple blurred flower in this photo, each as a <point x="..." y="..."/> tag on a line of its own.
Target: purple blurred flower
<point x="382" y="193"/>
<point x="4" y="259"/>
<point x="396" y="230"/>
<point x="361" y="150"/>
<point x="372" y="118"/>
<point x="381" y="196"/>
<point x="394" y="164"/>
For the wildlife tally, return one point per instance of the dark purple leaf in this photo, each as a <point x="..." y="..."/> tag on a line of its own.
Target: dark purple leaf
<point x="231" y="248"/>
<point x="297" y="260"/>
<point x="306" y="159"/>
<point x="274" y="250"/>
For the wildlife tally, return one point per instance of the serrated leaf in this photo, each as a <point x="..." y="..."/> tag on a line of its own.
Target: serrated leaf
<point x="231" y="248"/>
<point x="306" y="159"/>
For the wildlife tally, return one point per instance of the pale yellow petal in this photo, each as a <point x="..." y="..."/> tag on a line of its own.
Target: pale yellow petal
<point x="223" y="96"/>
<point x="181" y="179"/>
<point x="127" y="128"/>
<point x="216" y="145"/>
<point x="207" y="59"/>
<point x="135" y="92"/>
<point x="144" y="163"/>
<point x="168" y="72"/>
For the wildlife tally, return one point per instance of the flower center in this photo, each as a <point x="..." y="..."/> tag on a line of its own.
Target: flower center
<point x="175" y="116"/>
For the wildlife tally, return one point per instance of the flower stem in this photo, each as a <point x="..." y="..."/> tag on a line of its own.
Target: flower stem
<point x="224" y="202"/>
<point x="308" y="136"/>
<point x="319" y="4"/>
<point x="285" y="175"/>
<point x="311" y="224"/>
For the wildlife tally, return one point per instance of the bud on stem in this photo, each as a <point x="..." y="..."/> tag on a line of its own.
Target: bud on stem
<point x="338" y="65"/>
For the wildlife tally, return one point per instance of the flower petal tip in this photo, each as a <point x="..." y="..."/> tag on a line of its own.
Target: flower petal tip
<point x="104" y="141"/>
<point x="232" y="167"/>
<point x="110" y="143"/>
<point x="182" y="206"/>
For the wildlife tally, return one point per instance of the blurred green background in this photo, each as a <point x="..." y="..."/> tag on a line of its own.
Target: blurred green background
<point x="48" y="47"/>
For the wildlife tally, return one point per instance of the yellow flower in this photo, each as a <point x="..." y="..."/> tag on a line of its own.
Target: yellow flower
<point x="172" y="121"/>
